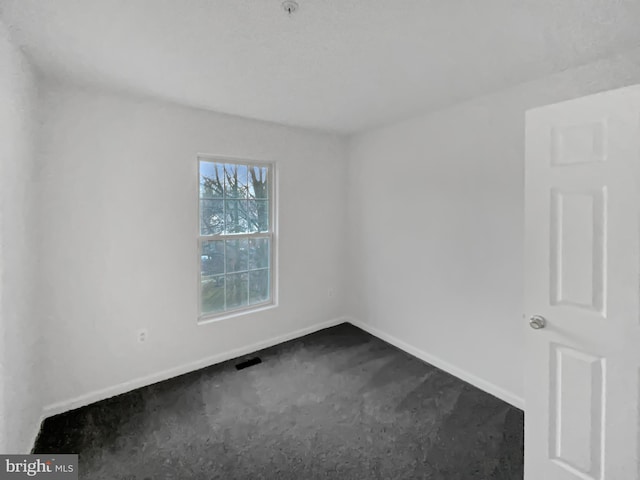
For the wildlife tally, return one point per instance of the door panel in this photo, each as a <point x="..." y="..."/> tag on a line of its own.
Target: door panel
<point x="582" y="274"/>
<point x="578" y="259"/>
<point x="579" y="143"/>
<point x="577" y="411"/>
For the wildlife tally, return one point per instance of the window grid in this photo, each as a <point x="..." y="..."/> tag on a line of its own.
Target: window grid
<point x="246" y="271"/>
<point x="262" y="229"/>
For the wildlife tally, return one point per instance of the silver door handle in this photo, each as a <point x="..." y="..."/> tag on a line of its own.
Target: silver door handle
<point x="537" y="322"/>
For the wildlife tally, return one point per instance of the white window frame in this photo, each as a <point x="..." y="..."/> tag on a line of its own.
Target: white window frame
<point x="204" y="318"/>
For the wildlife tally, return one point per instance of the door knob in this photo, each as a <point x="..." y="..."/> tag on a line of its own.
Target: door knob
<point x="537" y="322"/>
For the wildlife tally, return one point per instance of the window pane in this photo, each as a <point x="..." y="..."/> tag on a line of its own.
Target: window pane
<point x="237" y="290"/>
<point x="211" y="180"/>
<point x="263" y="215"/>
<point x="236" y="216"/>
<point x="211" y="217"/>
<point x="258" y="215"/>
<point x="212" y="295"/>
<point x="237" y="255"/>
<point x="258" y="182"/>
<point x="235" y="181"/>
<point x="212" y="258"/>
<point x="252" y="217"/>
<point x="259" y="282"/>
<point x="258" y="253"/>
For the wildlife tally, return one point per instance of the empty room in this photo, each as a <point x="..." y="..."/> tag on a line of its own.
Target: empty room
<point x="320" y="239"/>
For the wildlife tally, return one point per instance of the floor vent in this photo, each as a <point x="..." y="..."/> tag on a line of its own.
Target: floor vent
<point x="248" y="363"/>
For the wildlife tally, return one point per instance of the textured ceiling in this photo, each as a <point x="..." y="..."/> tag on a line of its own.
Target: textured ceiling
<point x="340" y="65"/>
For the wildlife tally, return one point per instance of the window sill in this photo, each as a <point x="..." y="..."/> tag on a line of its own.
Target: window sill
<point x="207" y="319"/>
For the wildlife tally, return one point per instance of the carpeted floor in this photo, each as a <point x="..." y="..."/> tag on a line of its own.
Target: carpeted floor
<point x="337" y="404"/>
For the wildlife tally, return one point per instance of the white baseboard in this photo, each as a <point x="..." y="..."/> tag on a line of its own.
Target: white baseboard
<point x="36" y="433"/>
<point x="95" y="396"/>
<point x="474" y="380"/>
<point x="129" y="385"/>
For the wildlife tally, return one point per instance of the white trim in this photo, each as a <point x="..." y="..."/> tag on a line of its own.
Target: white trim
<point x="95" y="396"/>
<point x="474" y="380"/>
<point x="261" y="307"/>
<point x="38" y="428"/>
<point x="204" y="318"/>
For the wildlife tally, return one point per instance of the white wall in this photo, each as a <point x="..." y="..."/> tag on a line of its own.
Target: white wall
<point x="436" y="208"/>
<point x="432" y="261"/>
<point x="118" y="247"/>
<point x="20" y="394"/>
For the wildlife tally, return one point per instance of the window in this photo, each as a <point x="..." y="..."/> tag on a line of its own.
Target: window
<point x="236" y="236"/>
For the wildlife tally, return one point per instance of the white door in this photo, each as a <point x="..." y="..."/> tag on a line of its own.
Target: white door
<point x="582" y="277"/>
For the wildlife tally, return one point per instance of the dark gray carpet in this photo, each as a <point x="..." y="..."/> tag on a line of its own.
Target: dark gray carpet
<point x="337" y="404"/>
